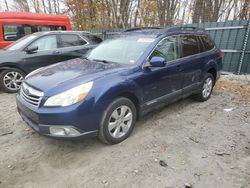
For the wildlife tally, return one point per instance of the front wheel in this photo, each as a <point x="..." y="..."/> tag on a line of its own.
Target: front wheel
<point x="11" y="80"/>
<point x="207" y="88"/>
<point x="118" y="121"/>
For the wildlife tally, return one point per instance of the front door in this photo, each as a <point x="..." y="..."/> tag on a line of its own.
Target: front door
<point x="162" y="83"/>
<point x="46" y="54"/>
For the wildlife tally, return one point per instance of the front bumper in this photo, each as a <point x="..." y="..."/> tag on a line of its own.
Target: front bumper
<point x="78" y="117"/>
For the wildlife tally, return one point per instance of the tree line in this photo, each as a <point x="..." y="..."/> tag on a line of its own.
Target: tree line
<point x="106" y="14"/>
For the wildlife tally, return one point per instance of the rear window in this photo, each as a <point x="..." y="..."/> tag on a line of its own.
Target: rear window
<point x="72" y="40"/>
<point x="207" y="42"/>
<point x="189" y="45"/>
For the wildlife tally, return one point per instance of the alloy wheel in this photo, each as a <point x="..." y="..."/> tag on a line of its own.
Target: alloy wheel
<point x="207" y="87"/>
<point x="120" y="121"/>
<point x="13" y="80"/>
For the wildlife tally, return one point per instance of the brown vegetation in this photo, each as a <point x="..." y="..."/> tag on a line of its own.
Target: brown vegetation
<point x="105" y="14"/>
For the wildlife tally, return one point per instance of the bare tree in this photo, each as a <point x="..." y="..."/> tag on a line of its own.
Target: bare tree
<point x="245" y="10"/>
<point x="44" y="7"/>
<point x="201" y="12"/>
<point x="6" y="4"/>
<point x="22" y="5"/>
<point x="166" y="11"/>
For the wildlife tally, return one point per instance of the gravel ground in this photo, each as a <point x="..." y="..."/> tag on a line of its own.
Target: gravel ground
<point x="201" y="144"/>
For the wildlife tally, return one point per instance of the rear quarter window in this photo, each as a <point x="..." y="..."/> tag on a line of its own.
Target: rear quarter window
<point x="207" y="42"/>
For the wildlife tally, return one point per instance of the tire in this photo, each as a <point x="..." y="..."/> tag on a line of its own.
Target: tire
<point x="206" y="89"/>
<point x="11" y="79"/>
<point x="116" y="124"/>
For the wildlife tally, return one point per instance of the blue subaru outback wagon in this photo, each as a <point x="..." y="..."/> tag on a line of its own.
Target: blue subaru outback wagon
<point x="104" y="93"/>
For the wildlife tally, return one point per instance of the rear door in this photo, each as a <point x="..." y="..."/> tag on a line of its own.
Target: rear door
<point x="192" y="61"/>
<point x="45" y="55"/>
<point x="72" y="46"/>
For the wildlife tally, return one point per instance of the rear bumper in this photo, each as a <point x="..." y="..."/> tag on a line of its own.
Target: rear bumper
<point x="41" y="119"/>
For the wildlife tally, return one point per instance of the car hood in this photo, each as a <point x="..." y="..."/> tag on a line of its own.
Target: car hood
<point x="3" y="51"/>
<point x="77" y="70"/>
<point x="8" y="55"/>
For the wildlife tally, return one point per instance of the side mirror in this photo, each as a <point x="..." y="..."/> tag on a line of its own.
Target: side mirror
<point x="157" y="61"/>
<point x="31" y="49"/>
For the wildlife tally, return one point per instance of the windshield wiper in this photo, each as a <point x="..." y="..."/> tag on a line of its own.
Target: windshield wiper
<point x="102" y="60"/>
<point x="85" y="58"/>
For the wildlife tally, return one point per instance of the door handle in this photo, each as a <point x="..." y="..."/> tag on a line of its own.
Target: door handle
<point x="56" y="52"/>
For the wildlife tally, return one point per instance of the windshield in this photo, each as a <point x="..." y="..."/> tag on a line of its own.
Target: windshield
<point x="126" y="50"/>
<point x="21" y="42"/>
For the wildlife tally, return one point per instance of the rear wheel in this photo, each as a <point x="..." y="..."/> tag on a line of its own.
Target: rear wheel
<point x="11" y="80"/>
<point x="207" y="88"/>
<point x="118" y="121"/>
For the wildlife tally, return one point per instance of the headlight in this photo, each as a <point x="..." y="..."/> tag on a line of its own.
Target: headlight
<point x="70" y="96"/>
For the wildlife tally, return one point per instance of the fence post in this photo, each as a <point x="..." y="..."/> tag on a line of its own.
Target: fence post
<point x="244" y="47"/>
<point x="103" y="35"/>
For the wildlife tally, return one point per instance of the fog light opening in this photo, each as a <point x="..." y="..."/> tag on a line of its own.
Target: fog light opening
<point x="63" y="131"/>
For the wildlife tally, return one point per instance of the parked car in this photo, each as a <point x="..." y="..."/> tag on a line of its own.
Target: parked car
<point x="120" y="80"/>
<point x="41" y="49"/>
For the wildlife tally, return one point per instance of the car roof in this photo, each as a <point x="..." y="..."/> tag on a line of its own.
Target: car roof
<point x="62" y="32"/>
<point x="157" y="31"/>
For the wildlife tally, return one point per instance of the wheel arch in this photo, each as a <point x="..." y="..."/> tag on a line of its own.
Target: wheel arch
<point x="213" y="72"/>
<point x="211" y="67"/>
<point x="131" y="96"/>
<point x="11" y="67"/>
<point x="114" y="89"/>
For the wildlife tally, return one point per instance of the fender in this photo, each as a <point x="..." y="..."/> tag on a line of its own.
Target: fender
<point x="11" y="67"/>
<point x="209" y="65"/>
<point x="113" y="89"/>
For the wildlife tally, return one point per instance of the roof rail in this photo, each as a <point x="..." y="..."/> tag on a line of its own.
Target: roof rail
<point x="140" y="28"/>
<point x="186" y="28"/>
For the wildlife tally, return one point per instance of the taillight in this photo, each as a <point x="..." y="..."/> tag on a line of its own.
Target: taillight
<point x="220" y="53"/>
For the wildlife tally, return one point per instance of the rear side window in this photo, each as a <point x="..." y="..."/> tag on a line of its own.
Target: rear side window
<point x="12" y="32"/>
<point x="71" y="40"/>
<point x="94" y="39"/>
<point x="207" y="42"/>
<point x="189" y="45"/>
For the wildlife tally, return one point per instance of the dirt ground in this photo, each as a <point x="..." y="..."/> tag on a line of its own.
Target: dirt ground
<point x="200" y="145"/>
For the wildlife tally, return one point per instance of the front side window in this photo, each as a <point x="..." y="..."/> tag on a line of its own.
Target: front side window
<point x="71" y="40"/>
<point x="14" y="32"/>
<point x="167" y="48"/>
<point x="21" y="43"/>
<point x="45" y="43"/>
<point x="189" y="45"/>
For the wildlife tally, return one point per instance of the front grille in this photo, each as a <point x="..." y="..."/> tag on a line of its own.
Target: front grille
<point x="31" y="95"/>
